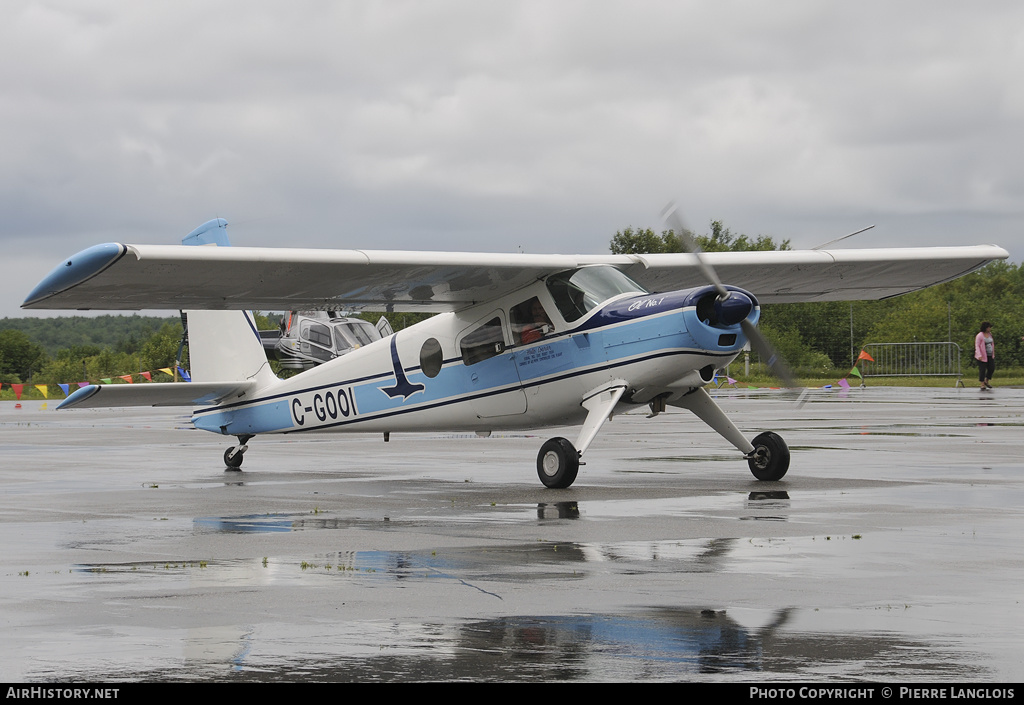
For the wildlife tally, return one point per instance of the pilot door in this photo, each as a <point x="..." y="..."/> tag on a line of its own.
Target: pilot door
<point x="490" y="367"/>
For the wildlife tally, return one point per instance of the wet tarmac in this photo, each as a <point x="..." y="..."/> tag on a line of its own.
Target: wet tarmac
<point x="891" y="551"/>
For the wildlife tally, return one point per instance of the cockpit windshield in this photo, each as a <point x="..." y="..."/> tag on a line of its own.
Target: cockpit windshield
<point x="354" y="334"/>
<point x="581" y="290"/>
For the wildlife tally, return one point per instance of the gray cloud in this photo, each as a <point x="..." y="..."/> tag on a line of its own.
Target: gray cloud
<point x="495" y="126"/>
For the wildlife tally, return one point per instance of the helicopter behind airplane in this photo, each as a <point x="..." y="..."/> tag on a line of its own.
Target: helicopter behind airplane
<point x="306" y="339"/>
<point x="521" y="341"/>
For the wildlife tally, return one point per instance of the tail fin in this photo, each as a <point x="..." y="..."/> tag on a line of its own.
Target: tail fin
<point x="224" y="346"/>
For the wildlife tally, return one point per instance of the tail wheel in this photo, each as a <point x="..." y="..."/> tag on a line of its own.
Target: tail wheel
<point x="232" y="462"/>
<point x="557" y="463"/>
<point x="770" y="459"/>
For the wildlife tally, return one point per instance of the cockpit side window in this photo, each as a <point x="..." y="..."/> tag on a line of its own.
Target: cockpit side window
<point x="530" y="322"/>
<point x="579" y="291"/>
<point x="485" y="342"/>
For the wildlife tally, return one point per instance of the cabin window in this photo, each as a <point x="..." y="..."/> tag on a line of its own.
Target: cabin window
<point x="485" y="342"/>
<point x="530" y="322"/>
<point x="353" y="334"/>
<point x="579" y="291"/>
<point x="431" y="358"/>
<point x="317" y="334"/>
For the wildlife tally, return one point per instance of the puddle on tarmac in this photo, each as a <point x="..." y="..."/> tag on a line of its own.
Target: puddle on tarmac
<point x="873" y="641"/>
<point x="909" y="434"/>
<point x="681" y="459"/>
<point x="525" y="562"/>
<point x="655" y="644"/>
<point x="702" y="505"/>
<point x="495" y="513"/>
<point x="248" y="524"/>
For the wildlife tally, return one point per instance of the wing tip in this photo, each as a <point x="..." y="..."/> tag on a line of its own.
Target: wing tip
<point x="73" y="271"/>
<point x="79" y="396"/>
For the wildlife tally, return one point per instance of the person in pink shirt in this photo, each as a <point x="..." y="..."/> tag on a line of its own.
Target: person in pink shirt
<point x="985" y="354"/>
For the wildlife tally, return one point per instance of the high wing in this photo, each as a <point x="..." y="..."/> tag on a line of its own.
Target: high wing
<point x="114" y="276"/>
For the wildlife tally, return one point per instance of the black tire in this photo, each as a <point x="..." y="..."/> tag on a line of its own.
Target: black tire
<point x="772" y="457"/>
<point x="232" y="463"/>
<point x="557" y="463"/>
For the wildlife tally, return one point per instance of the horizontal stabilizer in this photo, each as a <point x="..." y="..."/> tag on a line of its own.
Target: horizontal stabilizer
<point x="156" y="394"/>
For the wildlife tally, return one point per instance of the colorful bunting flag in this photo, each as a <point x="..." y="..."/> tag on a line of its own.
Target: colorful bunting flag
<point x="855" y="371"/>
<point x="65" y="387"/>
<point x="864" y="356"/>
<point x="844" y="384"/>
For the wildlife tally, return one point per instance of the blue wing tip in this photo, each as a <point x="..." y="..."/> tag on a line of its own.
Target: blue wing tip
<point x="79" y="396"/>
<point x="75" y="270"/>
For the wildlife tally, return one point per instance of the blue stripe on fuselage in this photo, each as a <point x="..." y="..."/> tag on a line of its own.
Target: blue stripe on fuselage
<point x="260" y="417"/>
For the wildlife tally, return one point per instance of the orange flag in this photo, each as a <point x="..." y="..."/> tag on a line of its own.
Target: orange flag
<point x="864" y="356"/>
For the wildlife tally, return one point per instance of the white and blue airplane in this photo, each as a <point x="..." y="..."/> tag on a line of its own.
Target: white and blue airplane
<point x="520" y="342"/>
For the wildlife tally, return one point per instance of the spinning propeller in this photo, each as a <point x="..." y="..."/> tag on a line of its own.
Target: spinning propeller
<point x="723" y="309"/>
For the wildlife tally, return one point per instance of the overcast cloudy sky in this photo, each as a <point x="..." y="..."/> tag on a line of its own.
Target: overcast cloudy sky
<point x="500" y="126"/>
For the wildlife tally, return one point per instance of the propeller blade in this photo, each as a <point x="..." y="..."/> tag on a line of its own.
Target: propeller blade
<point x="670" y="214"/>
<point x="775" y="362"/>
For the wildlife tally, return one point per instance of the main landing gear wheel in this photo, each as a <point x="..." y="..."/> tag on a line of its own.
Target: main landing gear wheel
<point x="557" y="463"/>
<point x="232" y="462"/>
<point x="770" y="459"/>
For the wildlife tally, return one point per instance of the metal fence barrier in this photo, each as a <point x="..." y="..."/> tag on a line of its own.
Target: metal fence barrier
<point x="913" y="360"/>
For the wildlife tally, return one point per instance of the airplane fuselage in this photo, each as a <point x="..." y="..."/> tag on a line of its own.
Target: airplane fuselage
<point x="484" y="368"/>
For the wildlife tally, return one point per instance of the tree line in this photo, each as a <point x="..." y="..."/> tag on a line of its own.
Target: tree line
<point x="24" y="360"/>
<point x="113" y="346"/>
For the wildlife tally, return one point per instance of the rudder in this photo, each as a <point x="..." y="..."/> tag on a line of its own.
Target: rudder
<point x="223" y="345"/>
